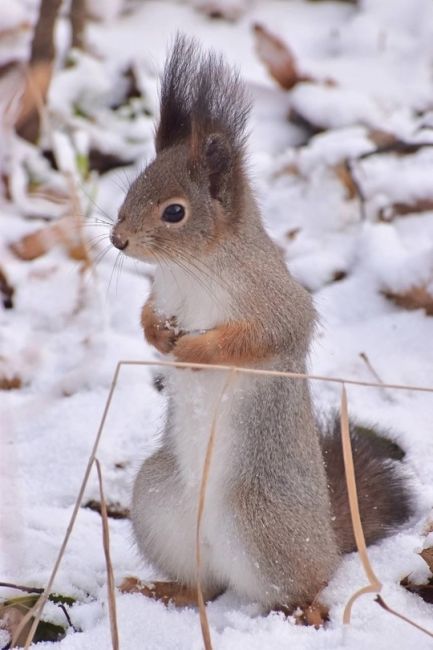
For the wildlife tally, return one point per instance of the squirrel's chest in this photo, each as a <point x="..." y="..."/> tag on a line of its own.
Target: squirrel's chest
<point x="196" y="406"/>
<point x="195" y="298"/>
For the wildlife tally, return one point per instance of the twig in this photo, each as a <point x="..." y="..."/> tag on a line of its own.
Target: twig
<point x="387" y="608"/>
<point x="200" y="509"/>
<point x="27" y="590"/>
<point x="367" y="362"/>
<point x="375" y="584"/>
<point x="110" y="576"/>
<point x="68" y="618"/>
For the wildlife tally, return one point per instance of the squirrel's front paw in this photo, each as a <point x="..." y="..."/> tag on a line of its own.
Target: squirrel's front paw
<point x="162" y="338"/>
<point x="195" y="348"/>
<point x="159" y="333"/>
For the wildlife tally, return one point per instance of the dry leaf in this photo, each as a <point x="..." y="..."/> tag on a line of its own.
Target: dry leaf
<point x="414" y="298"/>
<point x="221" y="9"/>
<point x="402" y="209"/>
<point x="41" y="241"/>
<point x="381" y="138"/>
<point x="292" y="233"/>
<point x="10" y="383"/>
<point x="316" y="615"/>
<point x="342" y="171"/>
<point x="10" y="619"/>
<point x="12" y="612"/>
<point x="114" y="510"/>
<point x="167" y="592"/>
<point x="6" y="290"/>
<point x="427" y="556"/>
<point x="278" y="58"/>
<point x="424" y="591"/>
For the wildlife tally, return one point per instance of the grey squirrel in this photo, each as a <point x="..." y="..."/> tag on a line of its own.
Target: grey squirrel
<point x="277" y="518"/>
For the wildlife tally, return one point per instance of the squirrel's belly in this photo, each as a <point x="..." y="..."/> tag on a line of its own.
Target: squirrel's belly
<point x="196" y="396"/>
<point x="196" y="402"/>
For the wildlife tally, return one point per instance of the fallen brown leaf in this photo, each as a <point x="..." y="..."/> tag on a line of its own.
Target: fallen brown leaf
<point x="414" y="298"/>
<point x="278" y="58"/>
<point x="10" y="383"/>
<point x="167" y="592"/>
<point x="293" y="233"/>
<point x="10" y="619"/>
<point x="6" y="290"/>
<point x="389" y="212"/>
<point x="381" y="138"/>
<point x="40" y="242"/>
<point x="425" y="591"/>
<point x="114" y="510"/>
<point x="427" y="556"/>
<point x="344" y="175"/>
<point x="315" y="614"/>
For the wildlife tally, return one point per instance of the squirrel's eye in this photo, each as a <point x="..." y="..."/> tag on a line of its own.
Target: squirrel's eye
<point x="173" y="213"/>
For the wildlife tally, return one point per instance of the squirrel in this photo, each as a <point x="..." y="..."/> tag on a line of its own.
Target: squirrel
<point x="277" y="519"/>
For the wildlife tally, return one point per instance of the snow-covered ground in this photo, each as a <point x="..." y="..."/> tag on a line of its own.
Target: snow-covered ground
<point x="64" y="337"/>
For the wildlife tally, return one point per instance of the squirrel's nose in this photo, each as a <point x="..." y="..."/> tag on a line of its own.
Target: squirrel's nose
<point x="118" y="242"/>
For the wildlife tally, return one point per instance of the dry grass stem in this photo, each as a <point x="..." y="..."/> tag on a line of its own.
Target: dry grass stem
<point x="386" y="607"/>
<point x="275" y="373"/>
<point x="375" y="585"/>
<point x="200" y="509"/>
<point x="36" y="611"/>
<point x="110" y="575"/>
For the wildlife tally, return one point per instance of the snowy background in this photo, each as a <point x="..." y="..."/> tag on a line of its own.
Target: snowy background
<point x="357" y="231"/>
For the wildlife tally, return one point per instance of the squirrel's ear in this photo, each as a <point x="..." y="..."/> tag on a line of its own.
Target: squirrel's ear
<point x="218" y="157"/>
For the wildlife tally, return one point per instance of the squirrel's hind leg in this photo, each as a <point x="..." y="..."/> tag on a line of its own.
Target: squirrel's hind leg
<point x="164" y="521"/>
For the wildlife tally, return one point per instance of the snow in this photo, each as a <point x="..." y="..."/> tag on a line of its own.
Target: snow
<point x="379" y="55"/>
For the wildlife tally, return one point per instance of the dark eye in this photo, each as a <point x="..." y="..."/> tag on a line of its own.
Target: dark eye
<point x="173" y="213"/>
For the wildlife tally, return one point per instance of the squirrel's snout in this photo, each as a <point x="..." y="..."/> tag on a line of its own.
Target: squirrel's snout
<point x="118" y="242"/>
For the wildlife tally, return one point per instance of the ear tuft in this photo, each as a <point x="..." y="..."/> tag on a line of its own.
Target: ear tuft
<point x="218" y="156"/>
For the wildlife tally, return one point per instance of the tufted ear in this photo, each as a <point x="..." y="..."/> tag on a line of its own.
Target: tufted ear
<point x="218" y="157"/>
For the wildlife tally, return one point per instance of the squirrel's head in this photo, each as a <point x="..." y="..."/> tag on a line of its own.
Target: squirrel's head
<point x="191" y="195"/>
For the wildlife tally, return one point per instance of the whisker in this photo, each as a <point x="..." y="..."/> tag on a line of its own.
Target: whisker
<point x="113" y="271"/>
<point x="96" y="206"/>
<point x="98" y="259"/>
<point x="119" y="271"/>
<point x="95" y="242"/>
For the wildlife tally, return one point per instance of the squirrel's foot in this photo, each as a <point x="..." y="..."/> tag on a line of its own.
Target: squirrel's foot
<point x="315" y="614"/>
<point x="168" y="592"/>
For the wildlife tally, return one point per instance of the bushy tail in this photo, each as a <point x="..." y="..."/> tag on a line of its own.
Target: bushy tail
<point x="383" y="490"/>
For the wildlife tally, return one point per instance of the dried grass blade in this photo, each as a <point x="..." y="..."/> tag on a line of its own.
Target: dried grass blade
<point x="375" y="585"/>
<point x="36" y="611"/>
<point x="386" y="607"/>
<point x="110" y="575"/>
<point x="201" y="502"/>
